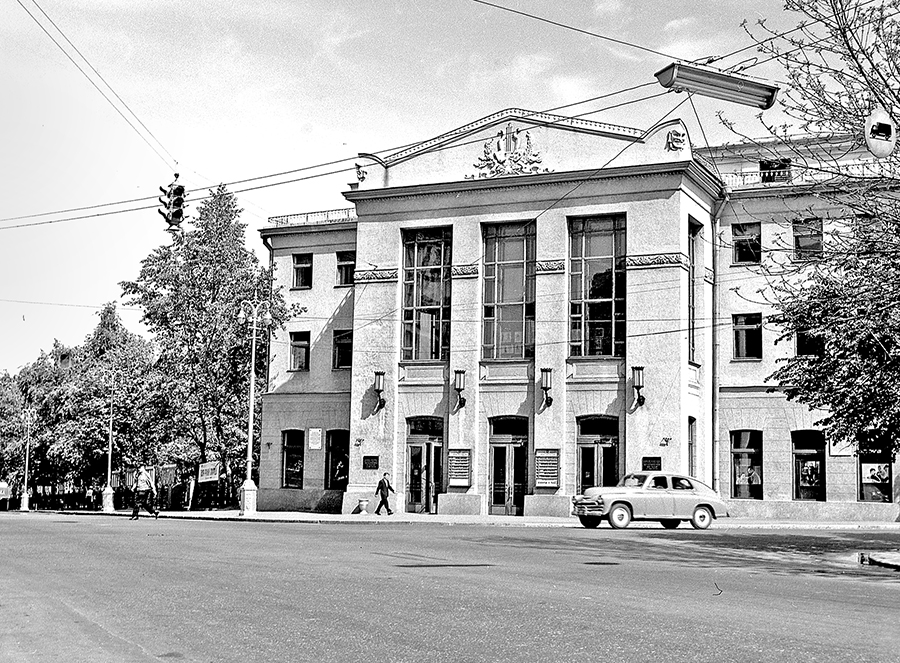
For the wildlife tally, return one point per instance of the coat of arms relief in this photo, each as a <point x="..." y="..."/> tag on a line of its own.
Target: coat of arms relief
<point x="510" y="152"/>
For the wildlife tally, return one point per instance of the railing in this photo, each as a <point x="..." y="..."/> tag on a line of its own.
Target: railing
<point x="315" y="218"/>
<point x="811" y="174"/>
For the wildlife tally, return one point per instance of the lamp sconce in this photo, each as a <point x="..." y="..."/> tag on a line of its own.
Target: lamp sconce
<point x="379" y="388"/>
<point x="459" y="385"/>
<point x="547" y="385"/>
<point x="637" y="381"/>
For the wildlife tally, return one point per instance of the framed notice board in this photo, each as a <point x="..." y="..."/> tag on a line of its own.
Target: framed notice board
<point x="546" y="468"/>
<point x="651" y="464"/>
<point x="459" y="466"/>
<point x="370" y="462"/>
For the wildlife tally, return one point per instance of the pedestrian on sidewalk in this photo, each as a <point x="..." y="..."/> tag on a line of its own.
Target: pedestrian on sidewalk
<point x="383" y="489"/>
<point x="143" y="489"/>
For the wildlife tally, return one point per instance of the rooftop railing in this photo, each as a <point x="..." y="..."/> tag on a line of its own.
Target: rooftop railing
<point x="315" y="218"/>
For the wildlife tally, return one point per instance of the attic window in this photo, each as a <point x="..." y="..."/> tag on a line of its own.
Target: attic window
<point x="778" y="170"/>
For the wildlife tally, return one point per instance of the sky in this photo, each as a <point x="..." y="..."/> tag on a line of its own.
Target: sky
<point x="225" y="91"/>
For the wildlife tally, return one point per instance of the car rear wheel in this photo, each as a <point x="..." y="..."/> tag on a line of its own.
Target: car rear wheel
<point x="620" y="516"/>
<point x="589" y="521"/>
<point x="670" y="523"/>
<point x="702" y="518"/>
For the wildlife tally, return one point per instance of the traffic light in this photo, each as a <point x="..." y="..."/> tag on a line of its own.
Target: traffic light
<point x="173" y="204"/>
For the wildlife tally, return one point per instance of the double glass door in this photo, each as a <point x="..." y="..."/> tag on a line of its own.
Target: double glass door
<point x="597" y="465"/>
<point x="424" y="474"/>
<point x="509" y="477"/>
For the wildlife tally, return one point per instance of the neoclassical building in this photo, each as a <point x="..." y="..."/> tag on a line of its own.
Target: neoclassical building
<point x="530" y="305"/>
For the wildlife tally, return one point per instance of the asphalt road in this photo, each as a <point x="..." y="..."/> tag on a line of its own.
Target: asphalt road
<point x="99" y="589"/>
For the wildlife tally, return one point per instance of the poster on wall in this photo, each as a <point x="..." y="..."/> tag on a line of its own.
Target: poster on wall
<point x="546" y="468"/>
<point x="875" y="482"/>
<point x="459" y="462"/>
<point x="315" y="438"/>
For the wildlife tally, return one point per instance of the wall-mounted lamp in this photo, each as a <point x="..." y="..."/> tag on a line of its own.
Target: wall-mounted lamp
<point x="547" y="385"/>
<point x="637" y="381"/>
<point x="459" y="384"/>
<point x="722" y="85"/>
<point x="379" y="387"/>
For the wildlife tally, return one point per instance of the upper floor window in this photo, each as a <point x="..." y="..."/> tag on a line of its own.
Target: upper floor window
<point x="745" y="239"/>
<point x="809" y="344"/>
<point x="303" y="270"/>
<point x="300" y="351"/>
<point x="747" y="336"/>
<point x="777" y="170"/>
<point x="346" y="265"/>
<point x="426" y="294"/>
<point x="343" y="348"/>
<point x="597" y="286"/>
<point x="509" y="251"/>
<point x="807" y="238"/>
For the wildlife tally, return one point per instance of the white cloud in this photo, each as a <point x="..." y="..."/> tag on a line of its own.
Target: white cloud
<point x="608" y="6"/>
<point x="678" y="24"/>
<point x="522" y="70"/>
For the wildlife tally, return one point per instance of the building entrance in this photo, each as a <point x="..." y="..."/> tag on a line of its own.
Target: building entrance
<point x="509" y="478"/>
<point x="598" y="452"/>
<point x="424" y="479"/>
<point x="337" y="459"/>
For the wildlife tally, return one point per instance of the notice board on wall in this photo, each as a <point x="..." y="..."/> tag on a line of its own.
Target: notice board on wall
<point x="459" y="465"/>
<point x="546" y="468"/>
<point x="370" y="462"/>
<point x="651" y="464"/>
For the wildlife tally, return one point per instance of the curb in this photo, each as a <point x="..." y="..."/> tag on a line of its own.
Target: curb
<point x="887" y="560"/>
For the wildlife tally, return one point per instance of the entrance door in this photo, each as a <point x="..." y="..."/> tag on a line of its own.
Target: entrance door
<point x="597" y="465"/>
<point x="424" y="475"/>
<point x="509" y="478"/>
<point x="337" y="459"/>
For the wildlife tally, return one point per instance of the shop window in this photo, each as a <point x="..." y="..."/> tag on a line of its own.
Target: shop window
<point x="427" y="260"/>
<point x="346" y="266"/>
<point x="292" y="459"/>
<point x="509" y="308"/>
<point x="807" y="238"/>
<point x="809" y="465"/>
<point x="875" y="478"/>
<point x="300" y="351"/>
<point x="303" y="270"/>
<point x="343" y="348"/>
<point x="337" y="459"/>
<point x="597" y="286"/>
<point x="746" y="243"/>
<point x="747" y="336"/>
<point x="746" y="464"/>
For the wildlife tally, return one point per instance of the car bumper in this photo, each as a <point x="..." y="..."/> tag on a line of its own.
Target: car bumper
<point x="588" y="508"/>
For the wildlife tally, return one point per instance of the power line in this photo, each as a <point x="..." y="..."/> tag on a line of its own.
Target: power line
<point x="90" y="80"/>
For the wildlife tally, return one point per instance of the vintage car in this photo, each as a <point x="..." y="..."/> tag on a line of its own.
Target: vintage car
<point x="667" y="498"/>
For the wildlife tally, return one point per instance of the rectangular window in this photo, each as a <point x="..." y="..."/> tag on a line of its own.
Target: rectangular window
<point x="746" y="243"/>
<point x="343" y="348"/>
<point x="747" y="336"/>
<point x="778" y="170"/>
<point x="692" y="447"/>
<point x="694" y="283"/>
<point x="346" y="266"/>
<point x="809" y="465"/>
<point x="292" y="459"/>
<point x="809" y="344"/>
<point x="875" y="478"/>
<point x="807" y="239"/>
<point x="300" y="351"/>
<point x="508" y="313"/>
<point x="427" y="260"/>
<point x="303" y="265"/>
<point x="746" y="464"/>
<point x="597" y="286"/>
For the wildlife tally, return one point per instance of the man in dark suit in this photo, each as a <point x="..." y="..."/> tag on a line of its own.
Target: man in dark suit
<point x="383" y="489"/>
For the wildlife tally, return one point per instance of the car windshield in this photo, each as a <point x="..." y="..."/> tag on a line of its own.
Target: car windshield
<point x="632" y="480"/>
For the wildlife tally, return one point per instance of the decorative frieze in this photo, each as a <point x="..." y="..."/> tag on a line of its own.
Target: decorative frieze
<point x="657" y="260"/>
<point x="464" y="271"/>
<point x="508" y="154"/>
<point x="709" y="276"/>
<point x="374" y="275"/>
<point x="550" y="266"/>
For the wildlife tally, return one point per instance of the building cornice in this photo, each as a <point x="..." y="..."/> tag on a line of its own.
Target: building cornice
<point x="274" y="231"/>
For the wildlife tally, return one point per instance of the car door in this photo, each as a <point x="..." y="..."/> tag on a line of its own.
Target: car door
<point x="658" y="497"/>
<point x="684" y="496"/>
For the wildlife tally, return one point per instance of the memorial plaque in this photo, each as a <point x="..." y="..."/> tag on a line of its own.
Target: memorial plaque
<point x="546" y="468"/>
<point x="459" y="464"/>
<point x="651" y="464"/>
<point x="315" y="438"/>
<point x="370" y="462"/>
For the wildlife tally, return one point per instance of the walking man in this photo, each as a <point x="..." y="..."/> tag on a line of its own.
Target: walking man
<point x="143" y="488"/>
<point x="383" y="489"/>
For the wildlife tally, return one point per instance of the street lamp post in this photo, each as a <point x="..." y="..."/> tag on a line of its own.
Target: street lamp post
<point x="252" y="309"/>
<point x="108" y="492"/>
<point x="28" y="418"/>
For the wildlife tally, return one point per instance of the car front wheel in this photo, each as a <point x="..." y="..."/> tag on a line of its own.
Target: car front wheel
<point x="589" y="521"/>
<point x="620" y="516"/>
<point x="670" y="523"/>
<point x="702" y="518"/>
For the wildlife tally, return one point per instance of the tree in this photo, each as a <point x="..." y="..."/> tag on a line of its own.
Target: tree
<point x="841" y="62"/>
<point x="191" y="292"/>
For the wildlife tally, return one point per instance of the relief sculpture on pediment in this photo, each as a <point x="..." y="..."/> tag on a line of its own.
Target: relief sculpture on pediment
<point x="510" y="152"/>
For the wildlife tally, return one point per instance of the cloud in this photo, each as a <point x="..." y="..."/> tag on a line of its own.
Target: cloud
<point x="608" y="6"/>
<point x="679" y="23"/>
<point x="522" y="70"/>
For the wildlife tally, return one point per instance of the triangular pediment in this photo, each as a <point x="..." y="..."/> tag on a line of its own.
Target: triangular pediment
<point x="517" y="142"/>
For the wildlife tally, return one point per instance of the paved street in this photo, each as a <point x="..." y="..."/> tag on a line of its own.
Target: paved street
<point x="101" y="589"/>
